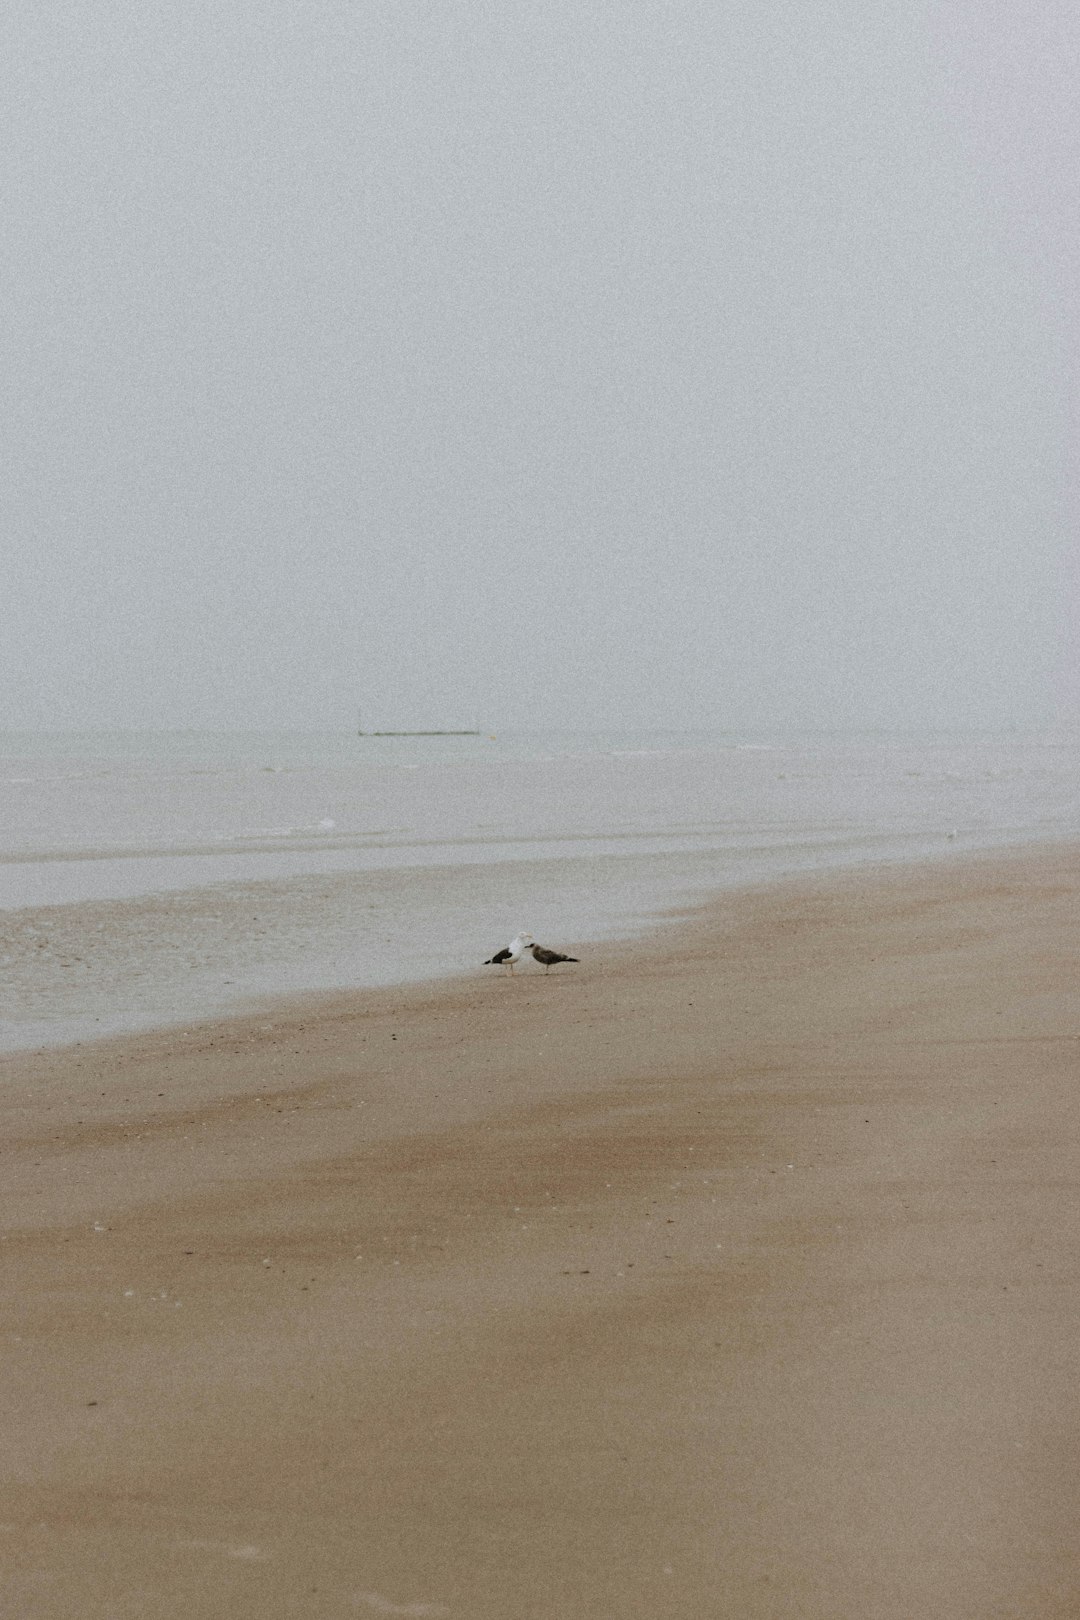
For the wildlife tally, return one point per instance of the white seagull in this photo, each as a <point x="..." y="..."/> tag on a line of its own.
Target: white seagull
<point x="510" y="953"/>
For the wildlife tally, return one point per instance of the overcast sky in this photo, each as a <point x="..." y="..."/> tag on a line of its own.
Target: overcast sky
<point x="547" y="362"/>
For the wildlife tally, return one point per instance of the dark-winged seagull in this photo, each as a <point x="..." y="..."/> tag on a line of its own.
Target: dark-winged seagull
<point x="510" y="953"/>
<point x="549" y="958"/>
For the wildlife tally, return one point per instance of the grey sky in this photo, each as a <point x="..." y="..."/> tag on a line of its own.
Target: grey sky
<point x="554" y="362"/>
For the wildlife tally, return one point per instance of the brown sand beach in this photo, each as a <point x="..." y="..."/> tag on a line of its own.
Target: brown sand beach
<point x="731" y="1273"/>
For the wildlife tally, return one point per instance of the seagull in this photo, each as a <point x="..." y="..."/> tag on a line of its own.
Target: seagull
<point x="549" y="958"/>
<point x="510" y="953"/>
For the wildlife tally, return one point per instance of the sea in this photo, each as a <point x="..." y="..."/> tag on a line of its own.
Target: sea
<point x="153" y="878"/>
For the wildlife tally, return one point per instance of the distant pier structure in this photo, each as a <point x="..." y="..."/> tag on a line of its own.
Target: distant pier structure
<point x="401" y="731"/>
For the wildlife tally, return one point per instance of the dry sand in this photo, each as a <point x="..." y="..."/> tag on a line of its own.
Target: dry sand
<point x="731" y="1274"/>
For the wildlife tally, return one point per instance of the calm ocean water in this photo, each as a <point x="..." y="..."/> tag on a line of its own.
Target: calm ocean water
<point x="148" y="878"/>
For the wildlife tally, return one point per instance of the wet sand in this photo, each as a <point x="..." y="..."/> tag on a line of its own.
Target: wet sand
<point x="729" y="1274"/>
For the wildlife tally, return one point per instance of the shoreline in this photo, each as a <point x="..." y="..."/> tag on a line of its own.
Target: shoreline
<point x="225" y="870"/>
<point x="241" y="949"/>
<point x="731" y="1272"/>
